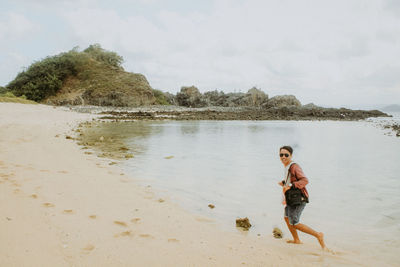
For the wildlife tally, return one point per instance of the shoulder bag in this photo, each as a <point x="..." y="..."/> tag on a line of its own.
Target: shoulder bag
<point x="293" y="196"/>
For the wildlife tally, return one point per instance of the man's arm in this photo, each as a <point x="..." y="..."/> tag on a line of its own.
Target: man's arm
<point x="302" y="180"/>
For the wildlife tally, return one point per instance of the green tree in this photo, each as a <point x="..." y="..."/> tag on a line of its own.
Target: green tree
<point x="108" y="57"/>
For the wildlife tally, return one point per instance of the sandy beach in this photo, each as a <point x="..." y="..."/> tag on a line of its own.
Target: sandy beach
<point x="62" y="207"/>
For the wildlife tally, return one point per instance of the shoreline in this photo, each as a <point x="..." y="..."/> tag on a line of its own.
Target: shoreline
<point x="62" y="207"/>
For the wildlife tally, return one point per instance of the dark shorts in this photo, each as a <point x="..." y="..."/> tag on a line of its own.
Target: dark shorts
<point x="294" y="213"/>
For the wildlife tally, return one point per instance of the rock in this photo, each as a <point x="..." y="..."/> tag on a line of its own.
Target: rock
<point x="69" y="137"/>
<point x="243" y="223"/>
<point x="211" y="206"/>
<point x="171" y="99"/>
<point x="311" y="106"/>
<point x="190" y="97"/>
<point x="282" y="101"/>
<point x="101" y="138"/>
<point x="277" y="232"/>
<point x="215" y="98"/>
<point x="128" y="156"/>
<point x="255" y="97"/>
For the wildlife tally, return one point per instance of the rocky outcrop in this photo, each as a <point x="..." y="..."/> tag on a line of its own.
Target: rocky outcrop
<point x="190" y="97"/>
<point x="282" y="101"/>
<point x="255" y="97"/>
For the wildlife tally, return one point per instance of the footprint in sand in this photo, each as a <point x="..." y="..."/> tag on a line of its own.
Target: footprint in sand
<point x="121" y="223"/>
<point x="88" y="248"/>
<point x="135" y="220"/>
<point x="16" y="191"/>
<point x="62" y="171"/>
<point x="126" y="233"/>
<point x="146" y="236"/>
<point x="16" y="184"/>
<point x="6" y="176"/>
<point x="33" y="196"/>
<point x="68" y="212"/>
<point x="173" y="240"/>
<point x="93" y="217"/>
<point x="48" y="205"/>
<point x="44" y="170"/>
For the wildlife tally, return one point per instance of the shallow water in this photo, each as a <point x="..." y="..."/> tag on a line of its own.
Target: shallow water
<point x="353" y="170"/>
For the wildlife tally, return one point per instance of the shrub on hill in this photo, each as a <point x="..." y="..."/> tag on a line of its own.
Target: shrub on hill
<point x="108" y="57"/>
<point x="45" y="78"/>
<point x="3" y="90"/>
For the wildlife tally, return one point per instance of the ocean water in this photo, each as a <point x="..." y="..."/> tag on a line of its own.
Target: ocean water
<point x="353" y="169"/>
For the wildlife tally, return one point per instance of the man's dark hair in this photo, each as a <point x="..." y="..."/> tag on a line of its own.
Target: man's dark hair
<point x="288" y="148"/>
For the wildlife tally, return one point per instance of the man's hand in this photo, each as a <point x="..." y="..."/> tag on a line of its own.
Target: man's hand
<point x="280" y="183"/>
<point x="285" y="188"/>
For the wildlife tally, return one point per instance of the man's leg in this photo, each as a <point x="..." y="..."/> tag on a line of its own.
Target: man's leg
<point x="293" y="231"/>
<point x="305" y="229"/>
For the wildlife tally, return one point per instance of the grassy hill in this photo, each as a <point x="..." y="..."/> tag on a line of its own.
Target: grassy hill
<point x="93" y="76"/>
<point x="11" y="98"/>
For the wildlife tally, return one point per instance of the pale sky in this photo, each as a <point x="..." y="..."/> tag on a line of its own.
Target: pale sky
<point x="332" y="53"/>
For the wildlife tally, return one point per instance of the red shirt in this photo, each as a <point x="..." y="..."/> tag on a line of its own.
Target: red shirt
<point x="298" y="179"/>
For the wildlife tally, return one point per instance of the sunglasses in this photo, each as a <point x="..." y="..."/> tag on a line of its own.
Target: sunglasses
<point x="281" y="155"/>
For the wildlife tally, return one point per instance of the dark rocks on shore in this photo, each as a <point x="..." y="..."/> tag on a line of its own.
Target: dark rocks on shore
<point x="243" y="113"/>
<point x="394" y="127"/>
<point x="243" y="223"/>
<point x="190" y="104"/>
<point x="277" y="233"/>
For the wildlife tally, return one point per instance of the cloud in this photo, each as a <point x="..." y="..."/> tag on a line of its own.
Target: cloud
<point x="312" y="49"/>
<point x="14" y="26"/>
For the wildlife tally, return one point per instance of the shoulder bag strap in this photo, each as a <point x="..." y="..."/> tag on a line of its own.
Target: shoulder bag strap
<point x="288" y="173"/>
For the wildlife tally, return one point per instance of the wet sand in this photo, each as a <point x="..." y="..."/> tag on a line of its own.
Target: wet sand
<point x="62" y="207"/>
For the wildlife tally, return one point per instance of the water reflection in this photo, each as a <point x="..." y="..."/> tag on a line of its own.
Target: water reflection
<point x="113" y="137"/>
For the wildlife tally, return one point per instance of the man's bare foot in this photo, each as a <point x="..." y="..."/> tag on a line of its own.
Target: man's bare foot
<point x="294" y="242"/>
<point x="320" y="238"/>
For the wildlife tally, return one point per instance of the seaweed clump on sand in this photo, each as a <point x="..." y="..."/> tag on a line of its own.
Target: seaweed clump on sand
<point x="277" y="232"/>
<point x="394" y="127"/>
<point x="243" y="223"/>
